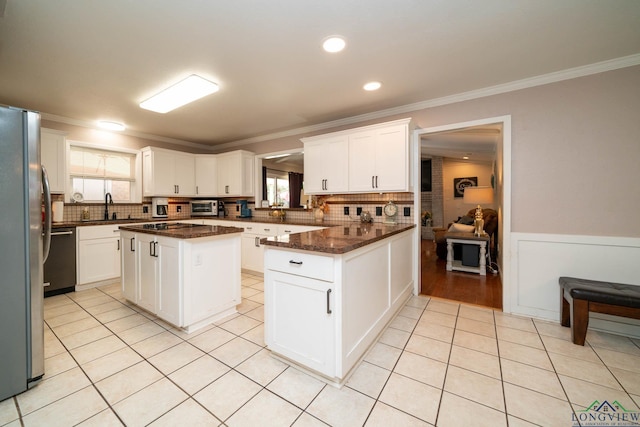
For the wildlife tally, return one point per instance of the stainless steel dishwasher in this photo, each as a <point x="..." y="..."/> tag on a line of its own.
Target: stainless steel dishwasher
<point x="60" y="267"/>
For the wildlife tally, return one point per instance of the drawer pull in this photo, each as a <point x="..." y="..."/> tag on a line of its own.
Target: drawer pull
<point x="328" y="302"/>
<point x="295" y="262"/>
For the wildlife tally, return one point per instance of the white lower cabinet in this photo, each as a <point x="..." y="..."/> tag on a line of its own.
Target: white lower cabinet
<point x="252" y="249"/>
<point x="129" y="271"/>
<point x="324" y="311"/>
<point x="98" y="255"/>
<point x="303" y="325"/>
<point x="186" y="282"/>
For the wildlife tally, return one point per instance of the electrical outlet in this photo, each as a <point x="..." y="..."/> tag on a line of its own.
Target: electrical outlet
<point x="358" y="210"/>
<point x="378" y="210"/>
<point x="145" y="209"/>
<point x="179" y="208"/>
<point x="407" y="211"/>
<point x="346" y="210"/>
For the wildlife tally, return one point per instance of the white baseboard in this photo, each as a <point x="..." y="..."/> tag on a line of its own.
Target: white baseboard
<point x="538" y="260"/>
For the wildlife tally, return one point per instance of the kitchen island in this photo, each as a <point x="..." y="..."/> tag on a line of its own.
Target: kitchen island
<point x="186" y="274"/>
<point x="330" y="293"/>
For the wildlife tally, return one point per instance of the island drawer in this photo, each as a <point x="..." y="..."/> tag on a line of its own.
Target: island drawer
<point x="301" y="264"/>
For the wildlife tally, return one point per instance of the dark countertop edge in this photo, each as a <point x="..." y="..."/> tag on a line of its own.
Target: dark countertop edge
<point x="177" y="234"/>
<point x="335" y="250"/>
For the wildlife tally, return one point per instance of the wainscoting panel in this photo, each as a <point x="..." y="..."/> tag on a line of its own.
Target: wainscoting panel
<point x="538" y="260"/>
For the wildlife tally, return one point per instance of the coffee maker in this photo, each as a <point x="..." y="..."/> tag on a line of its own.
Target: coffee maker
<point x="221" y="211"/>
<point x="245" y="212"/>
<point x="159" y="207"/>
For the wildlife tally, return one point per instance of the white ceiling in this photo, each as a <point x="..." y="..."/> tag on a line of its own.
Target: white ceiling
<point x="96" y="59"/>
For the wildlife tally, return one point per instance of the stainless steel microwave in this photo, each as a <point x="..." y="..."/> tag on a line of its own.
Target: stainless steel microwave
<point x="204" y="208"/>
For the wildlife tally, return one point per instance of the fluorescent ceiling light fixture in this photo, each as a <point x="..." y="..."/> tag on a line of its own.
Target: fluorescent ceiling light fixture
<point x="103" y="124"/>
<point x="277" y="156"/>
<point x="372" y="86"/>
<point x="334" y="44"/>
<point x="188" y="90"/>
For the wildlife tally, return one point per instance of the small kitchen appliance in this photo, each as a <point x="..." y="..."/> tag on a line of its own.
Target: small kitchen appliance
<point x="245" y="212"/>
<point x="160" y="207"/>
<point x="204" y="208"/>
<point x="221" y="212"/>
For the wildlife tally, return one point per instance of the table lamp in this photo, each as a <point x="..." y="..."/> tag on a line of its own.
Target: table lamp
<point x="478" y="196"/>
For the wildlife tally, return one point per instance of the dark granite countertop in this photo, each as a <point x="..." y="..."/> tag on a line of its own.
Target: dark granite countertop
<point x="181" y="230"/>
<point x="338" y="239"/>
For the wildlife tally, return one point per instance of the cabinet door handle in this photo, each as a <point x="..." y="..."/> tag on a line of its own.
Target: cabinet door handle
<point x="132" y="246"/>
<point x="287" y="231"/>
<point x="155" y="249"/>
<point x="118" y="244"/>
<point x="226" y="189"/>
<point x="295" y="262"/>
<point x="257" y="241"/>
<point x="151" y="248"/>
<point x="178" y="188"/>
<point x="267" y="230"/>
<point x="196" y="189"/>
<point x="376" y="181"/>
<point x="372" y="180"/>
<point x="328" y="301"/>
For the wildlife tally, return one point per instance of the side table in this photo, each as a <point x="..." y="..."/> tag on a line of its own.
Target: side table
<point x="467" y="239"/>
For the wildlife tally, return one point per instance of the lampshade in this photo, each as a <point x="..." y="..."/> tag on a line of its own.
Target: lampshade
<point x="478" y="195"/>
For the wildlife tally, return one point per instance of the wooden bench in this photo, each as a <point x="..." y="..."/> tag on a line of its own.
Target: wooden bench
<point x="580" y="296"/>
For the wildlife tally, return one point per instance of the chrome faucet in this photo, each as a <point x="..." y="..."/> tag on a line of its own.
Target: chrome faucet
<point x="107" y="200"/>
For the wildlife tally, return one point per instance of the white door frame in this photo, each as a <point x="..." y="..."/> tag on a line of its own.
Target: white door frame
<point x="503" y="181"/>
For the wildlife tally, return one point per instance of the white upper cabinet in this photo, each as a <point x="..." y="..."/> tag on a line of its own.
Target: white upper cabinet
<point x="363" y="160"/>
<point x="206" y="175"/>
<point x="379" y="160"/>
<point x="53" y="157"/>
<point x="325" y="164"/>
<point x="168" y="173"/>
<point x="235" y="174"/>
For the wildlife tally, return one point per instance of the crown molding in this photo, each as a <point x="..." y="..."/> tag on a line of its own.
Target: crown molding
<point x="558" y="76"/>
<point x="90" y="125"/>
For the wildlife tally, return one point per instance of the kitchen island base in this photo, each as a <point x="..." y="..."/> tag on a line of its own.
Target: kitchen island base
<point x="187" y="282"/>
<point x="324" y="311"/>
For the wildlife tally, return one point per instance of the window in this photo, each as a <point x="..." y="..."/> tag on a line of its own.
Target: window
<point x="95" y="172"/>
<point x="277" y="188"/>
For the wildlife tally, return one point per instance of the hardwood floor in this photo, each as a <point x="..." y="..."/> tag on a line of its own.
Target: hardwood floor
<point x="454" y="285"/>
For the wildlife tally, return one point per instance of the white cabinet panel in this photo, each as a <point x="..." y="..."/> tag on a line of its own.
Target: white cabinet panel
<point x="167" y="173"/>
<point x="147" y="272"/>
<point x="206" y="175"/>
<point x="129" y="271"/>
<point x="302" y="325"/>
<point x="325" y="164"/>
<point x="235" y="174"/>
<point x="98" y="253"/>
<point x="169" y="300"/>
<point x="53" y="157"/>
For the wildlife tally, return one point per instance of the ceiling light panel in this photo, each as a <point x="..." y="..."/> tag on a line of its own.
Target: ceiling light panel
<point x="188" y="90"/>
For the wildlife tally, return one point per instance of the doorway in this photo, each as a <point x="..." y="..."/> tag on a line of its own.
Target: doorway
<point x="455" y="141"/>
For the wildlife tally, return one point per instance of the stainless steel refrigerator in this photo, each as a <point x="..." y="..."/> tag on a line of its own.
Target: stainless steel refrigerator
<point x="24" y="243"/>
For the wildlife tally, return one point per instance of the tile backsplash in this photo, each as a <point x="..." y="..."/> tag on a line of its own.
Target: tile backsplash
<point x="372" y="202"/>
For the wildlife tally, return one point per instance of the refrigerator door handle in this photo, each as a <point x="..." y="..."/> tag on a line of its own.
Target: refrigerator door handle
<point x="47" y="215"/>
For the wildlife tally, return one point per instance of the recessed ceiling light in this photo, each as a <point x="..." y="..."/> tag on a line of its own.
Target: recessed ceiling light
<point x="465" y="157"/>
<point x="188" y="90"/>
<point x="110" y="125"/>
<point x="334" y="44"/>
<point x="372" y="86"/>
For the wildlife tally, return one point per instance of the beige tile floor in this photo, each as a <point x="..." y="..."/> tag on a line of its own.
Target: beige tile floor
<point x="438" y="363"/>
